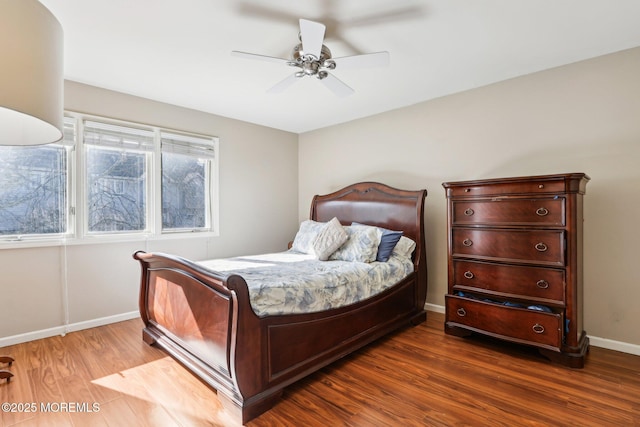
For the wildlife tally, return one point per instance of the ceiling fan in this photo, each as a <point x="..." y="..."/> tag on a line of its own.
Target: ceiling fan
<point x="312" y="58"/>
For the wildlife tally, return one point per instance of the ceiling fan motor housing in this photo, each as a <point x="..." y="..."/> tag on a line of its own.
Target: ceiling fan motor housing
<point x="299" y="54"/>
<point x="310" y="65"/>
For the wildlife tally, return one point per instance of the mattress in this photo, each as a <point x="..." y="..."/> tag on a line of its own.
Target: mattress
<point x="291" y="283"/>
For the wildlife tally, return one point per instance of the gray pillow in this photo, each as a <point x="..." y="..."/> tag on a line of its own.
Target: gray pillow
<point x="329" y="239"/>
<point x="362" y="245"/>
<point x="388" y="241"/>
<point x="404" y="247"/>
<point x="306" y="235"/>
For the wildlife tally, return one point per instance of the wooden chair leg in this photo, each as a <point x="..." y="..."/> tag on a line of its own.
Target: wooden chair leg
<point x="5" y="375"/>
<point x="7" y="359"/>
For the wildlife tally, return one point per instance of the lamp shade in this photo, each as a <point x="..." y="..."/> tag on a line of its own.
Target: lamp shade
<point x="31" y="74"/>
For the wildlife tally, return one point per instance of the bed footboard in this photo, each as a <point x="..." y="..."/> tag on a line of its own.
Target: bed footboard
<point x="193" y="315"/>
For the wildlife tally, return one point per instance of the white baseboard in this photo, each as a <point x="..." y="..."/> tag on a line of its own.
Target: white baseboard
<point x="594" y="341"/>
<point x="614" y="345"/>
<point x="433" y="307"/>
<point x="62" y="330"/>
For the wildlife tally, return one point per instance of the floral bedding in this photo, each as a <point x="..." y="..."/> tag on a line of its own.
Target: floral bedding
<point x="290" y="282"/>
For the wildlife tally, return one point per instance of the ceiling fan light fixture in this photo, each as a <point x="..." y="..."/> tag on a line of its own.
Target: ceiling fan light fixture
<point x="310" y="68"/>
<point x="329" y="64"/>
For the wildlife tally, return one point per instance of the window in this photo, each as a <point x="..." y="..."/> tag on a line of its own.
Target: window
<point x="187" y="162"/>
<point x="34" y="188"/>
<point x="116" y="154"/>
<point x="134" y="179"/>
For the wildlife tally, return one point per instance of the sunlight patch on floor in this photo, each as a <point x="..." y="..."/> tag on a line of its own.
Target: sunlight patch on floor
<point x="164" y="383"/>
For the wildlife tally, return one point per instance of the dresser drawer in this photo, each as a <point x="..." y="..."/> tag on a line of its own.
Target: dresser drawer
<point x="505" y="211"/>
<point x="502" y="188"/>
<point x="515" y="324"/>
<point x="544" y="247"/>
<point x="542" y="285"/>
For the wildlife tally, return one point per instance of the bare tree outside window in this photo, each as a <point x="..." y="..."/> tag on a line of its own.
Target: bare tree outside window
<point x="116" y="195"/>
<point x="33" y="190"/>
<point x="116" y="176"/>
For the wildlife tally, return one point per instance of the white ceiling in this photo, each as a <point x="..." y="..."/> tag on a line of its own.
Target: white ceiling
<point x="178" y="51"/>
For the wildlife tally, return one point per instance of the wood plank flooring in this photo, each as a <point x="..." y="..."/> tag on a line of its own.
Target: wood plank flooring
<point x="419" y="376"/>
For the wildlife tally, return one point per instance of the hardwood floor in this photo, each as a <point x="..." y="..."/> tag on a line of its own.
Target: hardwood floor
<point x="419" y="376"/>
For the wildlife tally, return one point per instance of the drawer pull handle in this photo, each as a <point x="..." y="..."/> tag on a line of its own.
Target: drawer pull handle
<point x="541" y="247"/>
<point x="466" y="190"/>
<point x="542" y="211"/>
<point x="538" y="328"/>
<point x="460" y="312"/>
<point x="542" y="284"/>
<point x="468" y="275"/>
<point x="468" y="212"/>
<point x="467" y="242"/>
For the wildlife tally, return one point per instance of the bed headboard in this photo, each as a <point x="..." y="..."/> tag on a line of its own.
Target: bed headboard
<point x="373" y="203"/>
<point x="378" y="204"/>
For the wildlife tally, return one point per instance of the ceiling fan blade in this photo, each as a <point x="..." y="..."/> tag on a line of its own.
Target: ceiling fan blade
<point x="259" y="57"/>
<point x="337" y="86"/>
<point x="312" y="36"/>
<point x="283" y="85"/>
<point x="377" y="59"/>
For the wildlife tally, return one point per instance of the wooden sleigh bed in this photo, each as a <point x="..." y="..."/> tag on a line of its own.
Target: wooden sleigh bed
<point x="204" y="318"/>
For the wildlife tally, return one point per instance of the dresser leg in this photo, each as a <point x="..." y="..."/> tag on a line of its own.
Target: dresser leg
<point x="573" y="359"/>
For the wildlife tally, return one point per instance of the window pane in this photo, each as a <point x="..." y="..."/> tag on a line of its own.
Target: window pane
<point x="116" y="182"/>
<point x="184" y="191"/>
<point x="33" y="190"/>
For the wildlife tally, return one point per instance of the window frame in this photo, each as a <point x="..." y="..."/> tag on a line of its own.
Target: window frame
<point x="77" y="192"/>
<point x="148" y="165"/>
<point x="48" y="238"/>
<point x="211" y="183"/>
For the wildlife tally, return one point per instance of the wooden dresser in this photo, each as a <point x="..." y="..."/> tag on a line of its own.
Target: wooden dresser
<point x="515" y="262"/>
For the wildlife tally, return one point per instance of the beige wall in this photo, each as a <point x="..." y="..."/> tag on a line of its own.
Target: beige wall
<point x="258" y="186"/>
<point x="583" y="117"/>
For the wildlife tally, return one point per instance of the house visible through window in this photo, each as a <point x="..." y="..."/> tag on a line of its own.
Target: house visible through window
<point x="186" y="181"/>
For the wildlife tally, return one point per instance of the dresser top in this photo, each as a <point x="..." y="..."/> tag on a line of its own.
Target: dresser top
<point x="558" y="183"/>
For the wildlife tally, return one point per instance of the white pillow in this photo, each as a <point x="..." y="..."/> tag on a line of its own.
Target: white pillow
<point x="329" y="239"/>
<point x="404" y="247"/>
<point x="361" y="246"/>
<point x="306" y="235"/>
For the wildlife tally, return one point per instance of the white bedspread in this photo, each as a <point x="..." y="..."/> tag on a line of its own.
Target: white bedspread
<point x="290" y="282"/>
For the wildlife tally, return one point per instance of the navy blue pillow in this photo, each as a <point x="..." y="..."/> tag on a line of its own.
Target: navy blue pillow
<point x="388" y="241"/>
